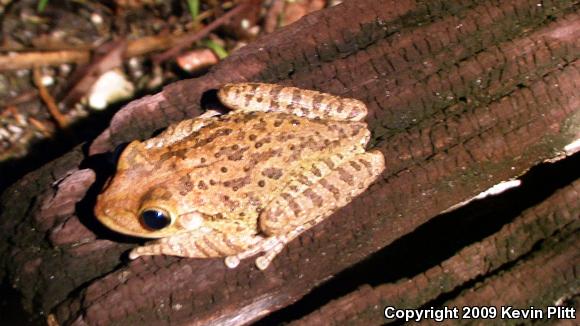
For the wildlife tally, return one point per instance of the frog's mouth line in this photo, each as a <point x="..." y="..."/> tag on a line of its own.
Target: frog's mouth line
<point x="123" y="224"/>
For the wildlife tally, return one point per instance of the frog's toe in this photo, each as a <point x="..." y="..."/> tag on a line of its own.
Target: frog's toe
<point x="262" y="262"/>
<point x="232" y="261"/>
<point x="141" y="251"/>
<point x="133" y="255"/>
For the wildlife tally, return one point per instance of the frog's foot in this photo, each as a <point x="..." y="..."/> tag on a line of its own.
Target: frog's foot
<point x="264" y="245"/>
<point x="270" y="246"/>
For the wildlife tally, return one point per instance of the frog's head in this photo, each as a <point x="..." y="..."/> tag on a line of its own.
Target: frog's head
<point x="138" y="201"/>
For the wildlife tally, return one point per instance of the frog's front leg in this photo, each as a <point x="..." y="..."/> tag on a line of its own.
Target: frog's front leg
<point x="295" y="212"/>
<point x="196" y="244"/>
<point x="249" y="97"/>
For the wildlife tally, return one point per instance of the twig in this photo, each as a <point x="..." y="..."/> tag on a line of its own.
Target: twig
<point x="61" y="120"/>
<point x="30" y="59"/>
<point x="272" y="17"/>
<point x="186" y="41"/>
<point x="24" y="97"/>
<point x="39" y="126"/>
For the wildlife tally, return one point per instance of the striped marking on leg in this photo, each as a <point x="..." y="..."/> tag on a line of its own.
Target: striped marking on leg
<point x="301" y="102"/>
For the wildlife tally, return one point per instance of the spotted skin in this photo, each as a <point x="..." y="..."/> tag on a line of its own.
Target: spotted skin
<point x="243" y="183"/>
<point x="249" y="97"/>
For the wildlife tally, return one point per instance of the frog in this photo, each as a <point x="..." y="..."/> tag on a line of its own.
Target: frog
<point x="246" y="182"/>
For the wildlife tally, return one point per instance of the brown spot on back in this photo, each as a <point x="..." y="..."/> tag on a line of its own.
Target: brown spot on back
<point x="355" y="165"/>
<point x="264" y="156"/>
<point x="296" y="97"/>
<point x="275" y="97"/>
<point x="260" y="126"/>
<point x="238" y="183"/>
<point x="272" y="173"/>
<point x="356" y="128"/>
<point x="345" y="176"/>
<point x="316" y="102"/>
<point x="331" y="188"/>
<point x="303" y="179"/>
<point x="275" y="92"/>
<point x="241" y="135"/>
<point x="201" y="185"/>
<point x="248" y="97"/>
<point x="230" y="204"/>
<point x="186" y="185"/>
<point x="180" y="153"/>
<point x="237" y="154"/>
<point x="253" y="86"/>
<point x="314" y="197"/>
<point x="340" y="107"/>
<point x="296" y="209"/>
<point x="266" y="140"/>
<point x="367" y="165"/>
<point x="316" y="171"/>
<point x="218" y="133"/>
<point x="261" y="183"/>
<point x="328" y="163"/>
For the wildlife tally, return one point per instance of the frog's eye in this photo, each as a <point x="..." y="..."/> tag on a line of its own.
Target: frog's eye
<point x="155" y="218"/>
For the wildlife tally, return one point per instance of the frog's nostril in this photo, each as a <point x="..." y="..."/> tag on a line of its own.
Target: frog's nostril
<point x="155" y="219"/>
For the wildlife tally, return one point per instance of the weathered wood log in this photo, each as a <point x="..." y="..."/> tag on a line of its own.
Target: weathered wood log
<point x="462" y="95"/>
<point x="556" y="218"/>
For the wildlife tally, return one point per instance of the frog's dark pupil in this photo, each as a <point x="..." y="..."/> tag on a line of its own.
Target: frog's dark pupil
<point x="155" y="219"/>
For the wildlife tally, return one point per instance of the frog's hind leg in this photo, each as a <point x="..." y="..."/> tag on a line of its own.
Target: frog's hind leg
<point x="308" y="201"/>
<point x="250" y="97"/>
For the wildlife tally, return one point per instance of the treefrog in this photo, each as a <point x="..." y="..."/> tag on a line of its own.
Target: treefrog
<point x="242" y="183"/>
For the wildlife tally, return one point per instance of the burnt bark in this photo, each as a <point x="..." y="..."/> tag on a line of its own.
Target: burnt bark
<point x="462" y="95"/>
<point x="552" y="221"/>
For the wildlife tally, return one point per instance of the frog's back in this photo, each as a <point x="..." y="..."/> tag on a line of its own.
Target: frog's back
<point x="258" y="138"/>
<point x="241" y="160"/>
